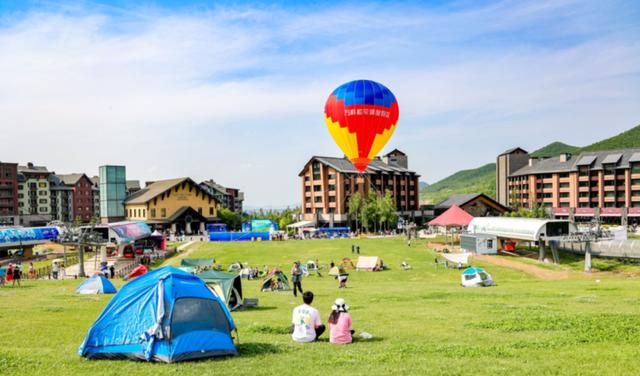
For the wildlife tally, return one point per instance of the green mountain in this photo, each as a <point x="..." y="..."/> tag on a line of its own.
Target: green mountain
<point x="627" y="139"/>
<point x="555" y="148"/>
<point x="483" y="179"/>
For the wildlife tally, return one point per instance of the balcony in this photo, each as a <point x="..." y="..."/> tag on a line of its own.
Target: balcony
<point x="583" y="189"/>
<point x="609" y="188"/>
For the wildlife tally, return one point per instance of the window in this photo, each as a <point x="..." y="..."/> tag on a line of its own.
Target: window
<point x="547" y="186"/>
<point x="42" y="201"/>
<point x="42" y="184"/>
<point x="42" y="193"/>
<point x="200" y="211"/>
<point x="307" y="200"/>
<point x="564" y="185"/>
<point x="211" y="210"/>
<point x="307" y="188"/>
<point x="564" y="194"/>
<point x="317" y="188"/>
<point x="584" y="172"/>
<point x="332" y="187"/>
<point x="317" y="199"/>
<point x="332" y="198"/>
<point x="564" y="175"/>
<point x="144" y="212"/>
<point x="316" y="170"/>
<point x="43" y="209"/>
<point x="331" y="176"/>
<point x="635" y="182"/>
<point x="635" y="168"/>
<point x="308" y="211"/>
<point x="152" y="212"/>
<point x="584" y="184"/>
<point x="584" y="194"/>
<point x="163" y="212"/>
<point x="307" y="178"/>
<point x="193" y="314"/>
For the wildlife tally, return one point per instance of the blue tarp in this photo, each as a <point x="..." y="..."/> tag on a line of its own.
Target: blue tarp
<point x="96" y="285"/>
<point x="237" y="236"/>
<point x="165" y="315"/>
<point x="334" y="229"/>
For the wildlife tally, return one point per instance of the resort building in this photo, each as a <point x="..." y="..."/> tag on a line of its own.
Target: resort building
<point x="328" y="182"/>
<point x="112" y="184"/>
<point x="476" y="204"/>
<point x="179" y="205"/>
<point x="230" y="198"/>
<point x="604" y="185"/>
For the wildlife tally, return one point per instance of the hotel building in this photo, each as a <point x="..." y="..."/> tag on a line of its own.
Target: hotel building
<point x="604" y="185"/>
<point x="328" y="182"/>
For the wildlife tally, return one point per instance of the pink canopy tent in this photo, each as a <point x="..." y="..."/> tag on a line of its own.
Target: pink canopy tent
<point x="454" y="216"/>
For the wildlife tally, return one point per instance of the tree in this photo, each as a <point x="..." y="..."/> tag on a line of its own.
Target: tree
<point x="230" y="218"/>
<point x="370" y="211"/>
<point x="387" y="211"/>
<point x="355" y="204"/>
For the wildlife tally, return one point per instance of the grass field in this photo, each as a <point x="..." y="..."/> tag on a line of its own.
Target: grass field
<point x="422" y="321"/>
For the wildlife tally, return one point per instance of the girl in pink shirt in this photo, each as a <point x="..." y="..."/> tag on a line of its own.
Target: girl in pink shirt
<point x="340" y="323"/>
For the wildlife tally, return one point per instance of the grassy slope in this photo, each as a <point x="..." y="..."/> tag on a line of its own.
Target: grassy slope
<point x="422" y="320"/>
<point x="482" y="179"/>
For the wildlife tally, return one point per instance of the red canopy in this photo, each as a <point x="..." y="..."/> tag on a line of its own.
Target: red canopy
<point x="454" y="216"/>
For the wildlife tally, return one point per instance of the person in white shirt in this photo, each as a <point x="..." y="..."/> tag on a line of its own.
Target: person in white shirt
<point x="306" y="325"/>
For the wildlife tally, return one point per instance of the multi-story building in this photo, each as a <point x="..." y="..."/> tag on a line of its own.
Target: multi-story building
<point x="61" y="200"/>
<point x="604" y="185"/>
<point x="328" y="182"/>
<point x="8" y="194"/>
<point x="180" y="205"/>
<point x="230" y="198"/>
<point x="34" y="195"/>
<point x="113" y="191"/>
<point x="83" y="195"/>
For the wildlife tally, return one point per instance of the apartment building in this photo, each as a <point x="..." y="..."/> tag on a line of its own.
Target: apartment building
<point x="83" y="200"/>
<point x="61" y="200"/>
<point x="328" y="182"/>
<point x="8" y="194"/>
<point x="34" y="195"/>
<point x="604" y="185"/>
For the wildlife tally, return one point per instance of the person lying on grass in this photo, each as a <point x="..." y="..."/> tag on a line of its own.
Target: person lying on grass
<point x="306" y="325"/>
<point x="340" y="331"/>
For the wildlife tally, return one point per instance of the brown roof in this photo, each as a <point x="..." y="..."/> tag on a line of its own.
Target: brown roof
<point x="155" y="189"/>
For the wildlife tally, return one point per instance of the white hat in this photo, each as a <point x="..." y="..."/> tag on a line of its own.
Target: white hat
<point x="340" y="305"/>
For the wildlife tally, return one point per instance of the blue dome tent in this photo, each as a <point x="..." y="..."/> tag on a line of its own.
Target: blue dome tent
<point x="166" y="315"/>
<point x="97" y="284"/>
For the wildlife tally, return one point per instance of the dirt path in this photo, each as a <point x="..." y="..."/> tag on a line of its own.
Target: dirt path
<point x="527" y="268"/>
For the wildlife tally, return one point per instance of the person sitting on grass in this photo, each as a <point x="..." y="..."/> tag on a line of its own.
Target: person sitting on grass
<point x="306" y="325"/>
<point x="340" y="331"/>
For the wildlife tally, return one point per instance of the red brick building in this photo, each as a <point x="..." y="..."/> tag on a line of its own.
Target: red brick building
<point x="8" y="193"/>
<point x="83" y="195"/>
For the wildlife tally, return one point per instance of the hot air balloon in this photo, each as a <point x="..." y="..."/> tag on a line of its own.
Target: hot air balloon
<point x="361" y="116"/>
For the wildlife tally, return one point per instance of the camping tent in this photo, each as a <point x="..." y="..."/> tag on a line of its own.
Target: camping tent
<point x="97" y="284"/>
<point x="368" y="263"/>
<point x="276" y="280"/>
<point x="136" y="272"/>
<point x="335" y="271"/>
<point x="474" y="277"/>
<point x="226" y="285"/>
<point x="197" y="262"/>
<point x="165" y="315"/>
<point x="457" y="259"/>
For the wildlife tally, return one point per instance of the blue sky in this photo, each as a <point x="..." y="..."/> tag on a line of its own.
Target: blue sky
<point x="235" y="90"/>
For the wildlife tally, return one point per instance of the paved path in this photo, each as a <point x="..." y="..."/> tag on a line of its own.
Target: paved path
<point x="527" y="268"/>
<point x="181" y="253"/>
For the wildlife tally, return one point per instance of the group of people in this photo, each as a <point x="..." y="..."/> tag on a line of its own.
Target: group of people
<point x="306" y="325"/>
<point x="12" y="273"/>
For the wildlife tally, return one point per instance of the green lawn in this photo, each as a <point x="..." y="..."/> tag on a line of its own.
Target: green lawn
<point x="422" y="320"/>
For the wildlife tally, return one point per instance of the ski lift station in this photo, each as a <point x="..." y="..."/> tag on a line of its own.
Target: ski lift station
<point x="486" y="234"/>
